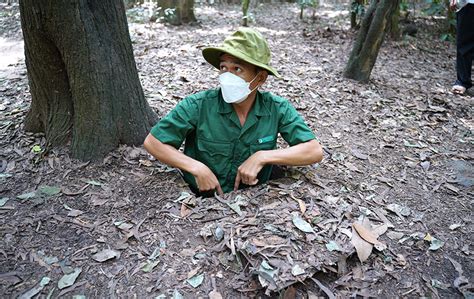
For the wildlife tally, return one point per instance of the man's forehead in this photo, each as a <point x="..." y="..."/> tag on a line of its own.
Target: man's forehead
<point x="228" y="57"/>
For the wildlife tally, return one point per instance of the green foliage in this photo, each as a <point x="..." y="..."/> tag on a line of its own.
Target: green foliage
<point x="435" y="7"/>
<point x="171" y="16"/>
<point x="308" y="3"/>
<point x="447" y="37"/>
<point x="358" y="8"/>
<point x="404" y="5"/>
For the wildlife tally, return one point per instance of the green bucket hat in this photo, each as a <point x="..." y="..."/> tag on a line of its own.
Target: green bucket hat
<point x="246" y="44"/>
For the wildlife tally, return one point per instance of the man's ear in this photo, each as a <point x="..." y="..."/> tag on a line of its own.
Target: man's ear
<point x="262" y="76"/>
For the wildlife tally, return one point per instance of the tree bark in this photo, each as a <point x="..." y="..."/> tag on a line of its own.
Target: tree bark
<point x="245" y="11"/>
<point x="369" y="39"/>
<point x="183" y="11"/>
<point x="394" y="28"/>
<point x="82" y="74"/>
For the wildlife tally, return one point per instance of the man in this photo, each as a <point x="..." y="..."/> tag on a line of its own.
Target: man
<point x="230" y="133"/>
<point x="464" y="44"/>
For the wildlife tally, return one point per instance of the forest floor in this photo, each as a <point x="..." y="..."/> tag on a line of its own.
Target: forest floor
<point x="399" y="168"/>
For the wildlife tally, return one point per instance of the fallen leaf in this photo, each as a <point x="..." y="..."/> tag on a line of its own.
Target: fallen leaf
<point x="425" y="165"/>
<point x="439" y="285"/>
<point x="428" y="237"/>
<point x="399" y="210"/>
<point x="455" y="226"/>
<point x="156" y="253"/>
<point x="363" y="248"/>
<point x="69" y="279"/>
<point x="408" y="144"/>
<point x="182" y="196"/>
<point x="49" y="190"/>
<point x="235" y="206"/>
<point x="380" y="229"/>
<point x="395" y="235"/>
<point x="401" y="260"/>
<point x="95" y="183"/>
<point x="302" y="225"/>
<point x="436" y="244"/>
<point x="266" y="274"/>
<point x="297" y="270"/>
<point x="452" y="188"/>
<point x="149" y="265"/>
<point x="177" y="295"/>
<point x="105" y="255"/>
<point x="75" y="213"/>
<point x="194" y="272"/>
<point x="96" y="201"/>
<point x="196" y="281"/>
<point x="185" y="211"/>
<point x="215" y="295"/>
<point x="3" y="201"/>
<point x="381" y="214"/>
<point x="146" y="163"/>
<point x="301" y="204"/>
<point x="36" y="149"/>
<point x="365" y="234"/>
<point x="36" y="290"/>
<point x="28" y="195"/>
<point x="332" y="246"/>
<point x="122" y="225"/>
<point x="356" y="153"/>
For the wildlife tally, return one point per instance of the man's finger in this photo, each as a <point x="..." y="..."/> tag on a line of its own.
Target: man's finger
<point x="219" y="190"/>
<point x="237" y="182"/>
<point x="254" y="182"/>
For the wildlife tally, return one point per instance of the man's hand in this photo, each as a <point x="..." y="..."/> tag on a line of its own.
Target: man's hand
<point x="205" y="179"/>
<point x="248" y="171"/>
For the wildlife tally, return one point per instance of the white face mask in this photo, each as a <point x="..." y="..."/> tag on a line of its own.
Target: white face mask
<point x="234" y="89"/>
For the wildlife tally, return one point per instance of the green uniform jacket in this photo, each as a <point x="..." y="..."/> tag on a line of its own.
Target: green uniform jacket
<point x="213" y="134"/>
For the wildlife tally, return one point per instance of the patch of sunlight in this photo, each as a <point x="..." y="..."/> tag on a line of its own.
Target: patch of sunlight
<point x="12" y="52"/>
<point x="267" y="31"/>
<point x="333" y="13"/>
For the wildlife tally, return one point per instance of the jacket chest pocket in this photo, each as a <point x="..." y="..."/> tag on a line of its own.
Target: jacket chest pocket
<point x="264" y="143"/>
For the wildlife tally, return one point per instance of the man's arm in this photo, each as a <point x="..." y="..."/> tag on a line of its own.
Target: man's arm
<point x="205" y="178"/>
<point x="298" y="155"/>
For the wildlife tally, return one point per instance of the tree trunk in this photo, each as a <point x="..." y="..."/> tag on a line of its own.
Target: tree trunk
<point x="182" y="11"/>
<point x="394" y="28"/>
<point x="83" y="79"/>
<point x="245" y="10"/>
<point x="369" y="39"/>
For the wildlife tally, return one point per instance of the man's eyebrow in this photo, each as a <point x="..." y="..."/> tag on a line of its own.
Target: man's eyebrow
<point x="235" y="61"/>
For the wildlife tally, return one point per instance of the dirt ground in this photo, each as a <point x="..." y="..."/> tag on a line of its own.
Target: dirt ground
<point x="398" y="162"/>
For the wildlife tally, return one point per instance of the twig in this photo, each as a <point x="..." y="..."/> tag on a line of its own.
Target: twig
<point x="85" y="248"/>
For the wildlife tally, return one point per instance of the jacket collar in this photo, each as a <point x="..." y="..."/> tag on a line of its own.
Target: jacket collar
<point x="259" y="106"/>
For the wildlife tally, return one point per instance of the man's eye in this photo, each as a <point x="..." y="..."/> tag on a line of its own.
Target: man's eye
<point x="238" y="69"/>
<point x="223" y="68"/>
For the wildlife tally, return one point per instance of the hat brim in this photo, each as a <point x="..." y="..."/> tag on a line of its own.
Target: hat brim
<point x="213" y="54"/>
